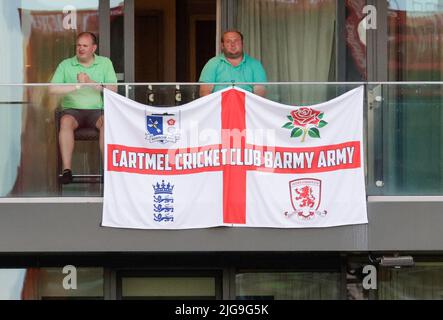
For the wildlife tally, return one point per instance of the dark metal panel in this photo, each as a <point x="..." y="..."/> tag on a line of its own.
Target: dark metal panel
<point x="104" y="28"/>
<point x="340" y="41"/>
<point x="129" y="37"/>
<point x="377" y="43"/>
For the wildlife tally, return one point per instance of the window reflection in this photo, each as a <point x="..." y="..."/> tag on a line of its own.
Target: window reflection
<point x="11" y="110"/>
<point x="47" y="283"/>
<point x="11" y="283"/>
<point x="424" y="281"/>
<point x="168" y="288"/>
<point x="288" y="285"/>
<point x="415" y="40"/>
<point x="412" y="114"/>
<point x="40" y="33"/>
<point x="50" y="32"/>
<point x="89" y="284"/>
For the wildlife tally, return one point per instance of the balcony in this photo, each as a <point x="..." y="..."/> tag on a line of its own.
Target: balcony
<point x="403" y="168"/>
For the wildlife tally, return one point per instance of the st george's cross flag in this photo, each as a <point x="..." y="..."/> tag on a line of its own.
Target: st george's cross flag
<point x="233" y="158"/>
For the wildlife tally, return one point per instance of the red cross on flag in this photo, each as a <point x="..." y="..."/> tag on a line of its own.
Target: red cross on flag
<point x="234" y="159"/>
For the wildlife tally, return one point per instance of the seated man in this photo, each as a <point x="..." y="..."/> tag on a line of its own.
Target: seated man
<point x="82" y="105"/>
<point x="232" y="65"/>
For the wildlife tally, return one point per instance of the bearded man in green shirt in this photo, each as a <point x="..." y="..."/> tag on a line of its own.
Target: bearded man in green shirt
<point x="232" y="65"/>
<point x="82" y="104"/>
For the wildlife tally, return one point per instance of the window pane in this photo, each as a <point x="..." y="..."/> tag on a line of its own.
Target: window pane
<point x="11" y="283"/>
<point x="171" y="287"/>
<point x="424" y="281"/>
<point x="49" y="33"/>
<point x="47" y="283"/>
<point x="288" y="286"/>
<point x="415" y="40"/>
<point x="36" y="36"/>
<point x="89" y="283"/>
<point x="413" y="113"/>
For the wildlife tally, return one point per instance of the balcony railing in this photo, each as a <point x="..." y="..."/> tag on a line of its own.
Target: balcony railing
<point x="403" y="134"/>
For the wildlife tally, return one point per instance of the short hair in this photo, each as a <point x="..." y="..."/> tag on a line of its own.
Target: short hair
<point x="231" y="30"/>
<point x="90" y="34"/>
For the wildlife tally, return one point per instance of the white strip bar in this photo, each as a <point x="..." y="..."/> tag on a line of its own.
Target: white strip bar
<point x="53" y="200"/>
<point x="100" y="199"/>
<point x="405" y="198"/>
<point x="226" y="83"/>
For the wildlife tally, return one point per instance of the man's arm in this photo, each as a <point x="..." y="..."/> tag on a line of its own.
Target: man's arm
<point x="208" y="74"/>
<point x="260" y="90"/>
<point x="259" y="76"/>
<point x="61" y="89"/>
<point x="84" y="78"/>
<point x="110" y="77"/>
<point x="206" y="89"/>
<point x="58" y="77"/>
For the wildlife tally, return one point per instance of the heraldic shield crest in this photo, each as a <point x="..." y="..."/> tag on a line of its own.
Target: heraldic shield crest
<point x="163" y="202"/>
<point x="306" y="198"/>
<point x="162" y="128"/>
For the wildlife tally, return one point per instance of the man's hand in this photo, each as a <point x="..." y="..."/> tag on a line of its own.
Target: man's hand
<point x="205" y="89"/>
<point x="260" y="90"/>
<point x="112" y="88"/>
<point x="84" y="78"/>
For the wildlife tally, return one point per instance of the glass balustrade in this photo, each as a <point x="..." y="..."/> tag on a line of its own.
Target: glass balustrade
<point x="402" y="135"/>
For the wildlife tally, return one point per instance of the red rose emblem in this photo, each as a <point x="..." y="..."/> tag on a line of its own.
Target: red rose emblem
<point x="304" y="116"/>
<point x="305" y="122"/>
<point x="171" y="122"/>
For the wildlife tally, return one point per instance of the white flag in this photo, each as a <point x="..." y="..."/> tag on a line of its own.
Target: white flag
<point x="234" y="159"/>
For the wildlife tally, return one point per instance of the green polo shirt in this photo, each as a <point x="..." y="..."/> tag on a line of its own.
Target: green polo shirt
<point x="218" y="69"/>
<point x="101" y="71"/>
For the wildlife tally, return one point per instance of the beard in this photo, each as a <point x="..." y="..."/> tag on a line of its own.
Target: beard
<point x="231" y="55"/>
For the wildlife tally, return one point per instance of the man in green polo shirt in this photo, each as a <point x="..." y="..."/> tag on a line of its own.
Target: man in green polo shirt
<point x="83" y="102"/>
<point x="232" y="65"/>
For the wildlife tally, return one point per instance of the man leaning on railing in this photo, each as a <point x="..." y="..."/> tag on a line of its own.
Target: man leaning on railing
<point x="232" y="65"/>
<point x="82" y="104"/>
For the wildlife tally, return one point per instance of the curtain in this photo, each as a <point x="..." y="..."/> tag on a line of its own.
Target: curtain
<point x="294" y="40"/>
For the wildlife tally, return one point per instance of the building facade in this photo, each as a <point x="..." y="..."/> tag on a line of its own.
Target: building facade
<point x="312" y="51"/>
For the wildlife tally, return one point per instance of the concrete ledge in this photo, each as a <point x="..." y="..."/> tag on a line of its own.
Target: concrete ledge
<point x="74" y="227"/>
